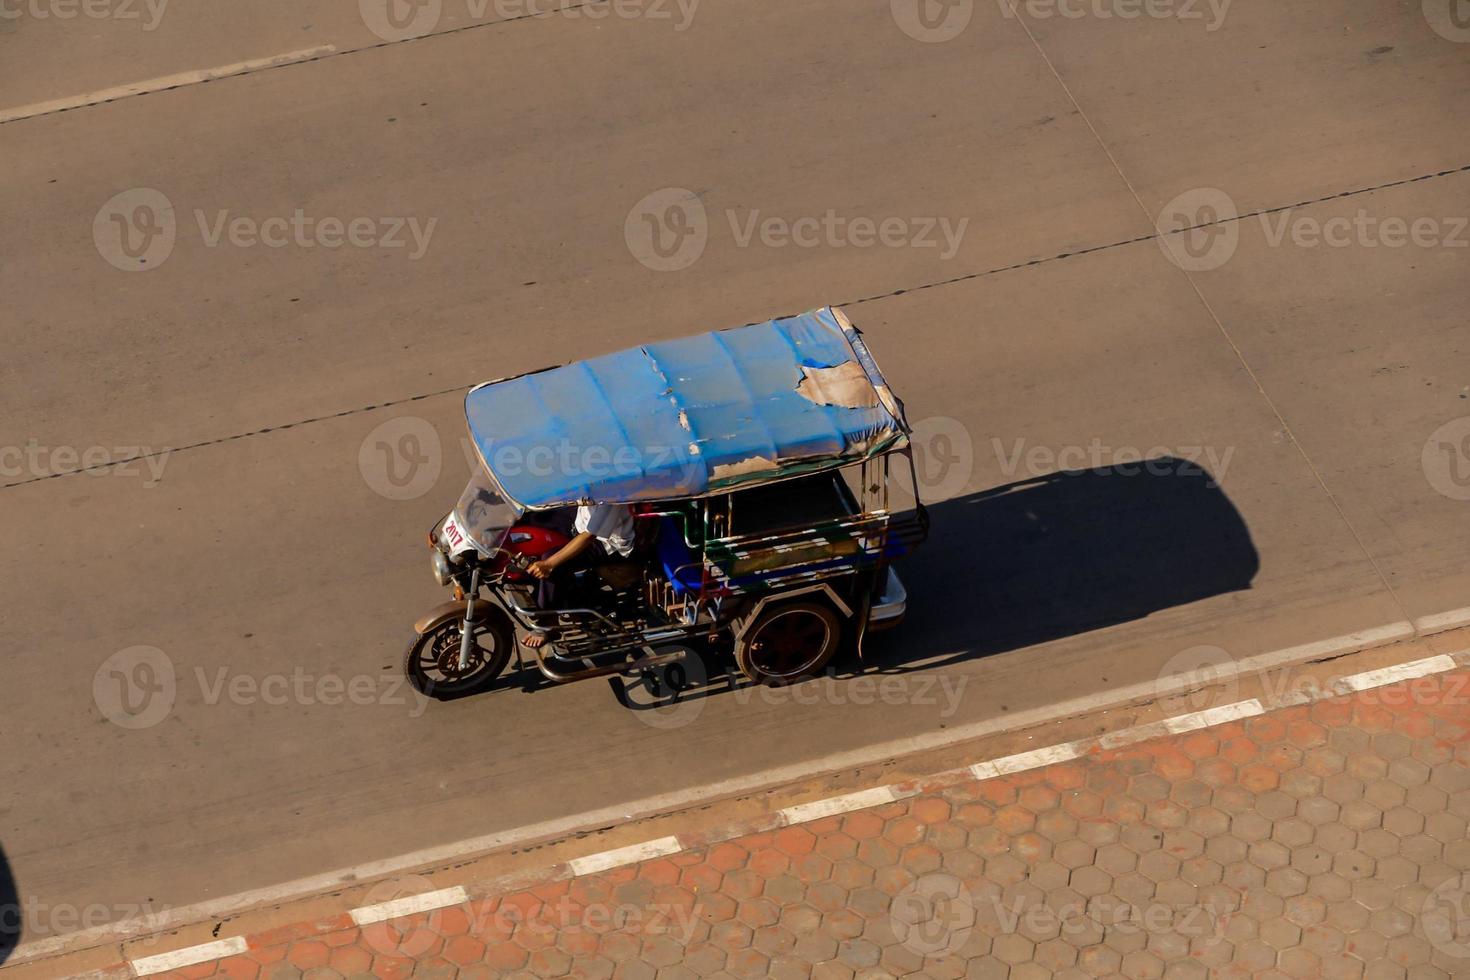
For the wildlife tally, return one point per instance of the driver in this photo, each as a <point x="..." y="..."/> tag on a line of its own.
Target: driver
<point x="604" y="532"/>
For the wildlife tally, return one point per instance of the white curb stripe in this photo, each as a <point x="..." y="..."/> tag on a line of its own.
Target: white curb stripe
<point x="189" y="956"/>
<point x="593" y="863"/>
<point x="1392" y="675"/>
<point x="1439" y="622"/>
<point x="426" y="902"/>
<point x="301" y="888"/>
<point x="1210" y="717"/>
<point x="1191" y="722"/>
<point x="804" y="812"/>
<point x="160" y="84"/>
<point x="1034" y="759"/>
<point x="1186" y="683"/>
<point x="1361" y="640"/>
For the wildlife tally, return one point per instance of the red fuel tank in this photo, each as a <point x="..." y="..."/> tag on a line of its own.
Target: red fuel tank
<point x="532" y="542"/>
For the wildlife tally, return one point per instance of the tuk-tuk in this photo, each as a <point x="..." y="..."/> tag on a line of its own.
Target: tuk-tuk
<point x="755" y="463"/>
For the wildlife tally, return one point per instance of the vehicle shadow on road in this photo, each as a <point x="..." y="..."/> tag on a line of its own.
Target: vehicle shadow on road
<point x="1039" y="560"/>
<point x="1051" y="557"/>
<point x="10" y="911"/>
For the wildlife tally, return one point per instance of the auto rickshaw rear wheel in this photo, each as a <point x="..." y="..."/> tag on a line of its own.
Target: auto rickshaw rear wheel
<point x="788" y="642"/>
<point x="431" y="662"/>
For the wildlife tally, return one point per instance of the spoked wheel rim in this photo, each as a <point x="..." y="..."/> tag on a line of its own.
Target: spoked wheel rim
<point x="790" y="643"/>
<point x="436" y="660"/>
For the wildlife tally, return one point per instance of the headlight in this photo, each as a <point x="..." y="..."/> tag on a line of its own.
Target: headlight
<point x="443" y="574"/>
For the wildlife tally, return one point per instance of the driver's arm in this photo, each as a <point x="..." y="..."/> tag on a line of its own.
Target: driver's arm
<point x="570" y="550"/>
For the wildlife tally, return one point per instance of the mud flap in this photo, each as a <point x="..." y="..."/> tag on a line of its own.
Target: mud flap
<point x="863" y="589"/>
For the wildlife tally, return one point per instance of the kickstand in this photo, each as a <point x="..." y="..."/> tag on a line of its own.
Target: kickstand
<point x="529" y="683"/>
<point x="620" y="690"/>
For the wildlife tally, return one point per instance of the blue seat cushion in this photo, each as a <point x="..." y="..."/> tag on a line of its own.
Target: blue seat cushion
<point x="681" y="565"/>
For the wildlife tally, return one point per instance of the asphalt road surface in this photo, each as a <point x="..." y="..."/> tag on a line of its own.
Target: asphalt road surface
<point x="288" y="276"/>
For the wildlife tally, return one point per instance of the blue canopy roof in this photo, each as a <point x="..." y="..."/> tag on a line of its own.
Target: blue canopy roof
<point x="688" y="417"/>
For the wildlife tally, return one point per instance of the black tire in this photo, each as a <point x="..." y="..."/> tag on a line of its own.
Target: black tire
<point x="789" y="642"/>
<point x="430" y="658"/>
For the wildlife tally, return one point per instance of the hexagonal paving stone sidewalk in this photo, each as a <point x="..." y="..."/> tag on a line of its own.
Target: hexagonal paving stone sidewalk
<point x="1324" y="840"/>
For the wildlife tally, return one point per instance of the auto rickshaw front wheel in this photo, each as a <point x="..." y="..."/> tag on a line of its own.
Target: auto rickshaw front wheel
<point x="788" y="642"/>
<point x="432" y="660"/>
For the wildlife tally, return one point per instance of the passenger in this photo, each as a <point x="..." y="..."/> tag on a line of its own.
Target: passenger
<point x="604" y="532"/>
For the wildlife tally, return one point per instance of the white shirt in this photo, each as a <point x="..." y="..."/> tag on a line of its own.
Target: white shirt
<point x="612" y="524"/>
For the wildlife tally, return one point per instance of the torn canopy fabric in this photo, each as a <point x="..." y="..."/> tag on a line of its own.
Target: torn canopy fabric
<point x="688" y="417"/>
